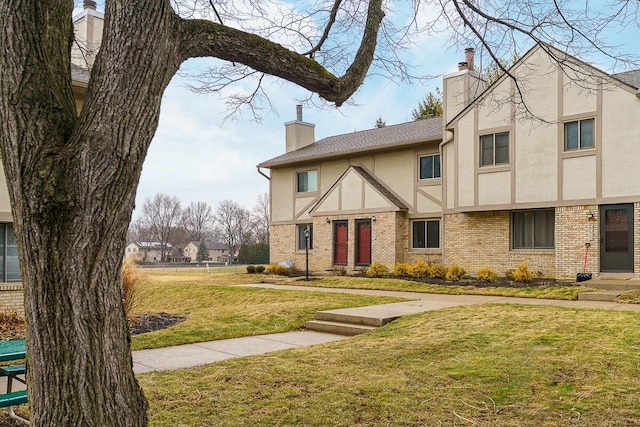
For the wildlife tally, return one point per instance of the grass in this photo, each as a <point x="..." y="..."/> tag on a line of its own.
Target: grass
<point x="490" y="365"/>
<point x="217" y="311"/>
<point x="629" y="297"/>
<point x="552" y="292"/>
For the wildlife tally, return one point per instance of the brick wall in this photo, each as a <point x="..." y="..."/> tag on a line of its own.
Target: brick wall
<point x="11" y="298"/>
<point x="573" y="230"/>
<point x="385" y="247"/>
<point x="482" y="239"/>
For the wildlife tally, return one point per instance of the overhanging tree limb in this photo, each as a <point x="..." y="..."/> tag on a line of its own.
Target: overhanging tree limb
<point x="198" y="38"/>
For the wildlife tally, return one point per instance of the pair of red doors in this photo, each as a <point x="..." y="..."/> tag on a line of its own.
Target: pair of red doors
<point x="362" y="242"/>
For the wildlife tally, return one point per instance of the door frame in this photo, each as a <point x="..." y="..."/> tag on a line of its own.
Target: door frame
<point x="336" y="224"/>
<point x="359" y="222"/>
<point x="611" y="262"/>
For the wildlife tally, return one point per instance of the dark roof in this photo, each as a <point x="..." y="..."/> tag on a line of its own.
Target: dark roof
<point x="212" y="245"/>
<point x="381" y="188"/>
<point x="373" y="139"/>
<point x="632" y="78"/>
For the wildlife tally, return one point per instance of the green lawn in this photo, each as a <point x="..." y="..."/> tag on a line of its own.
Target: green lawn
<point x="218" y="311"/>
<point x="488" y="365"/>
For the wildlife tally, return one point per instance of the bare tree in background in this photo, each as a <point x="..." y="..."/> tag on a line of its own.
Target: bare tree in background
<point x="197" y="219"/>
<point x="233" y="224"/>
<point x="261" y="216"/>
<point x="161" y="214"/>
<point x="72" y="177"/>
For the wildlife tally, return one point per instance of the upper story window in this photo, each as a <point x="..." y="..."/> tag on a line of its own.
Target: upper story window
<point x="429" y="166"/>
<point x="578" y="135"/>
<point x="307" y="181"/>
<point x="494" y="149"/>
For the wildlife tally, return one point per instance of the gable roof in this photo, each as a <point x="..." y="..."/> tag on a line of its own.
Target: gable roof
<point x="380" y="188"/>
<point x="629" y="78"/>
<point x="392" y="136"/>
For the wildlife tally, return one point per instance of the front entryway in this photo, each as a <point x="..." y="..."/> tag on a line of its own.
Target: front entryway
<point x="616" y="238"/>
<point x="363" y="242"/>
<point x="340" y="242"/>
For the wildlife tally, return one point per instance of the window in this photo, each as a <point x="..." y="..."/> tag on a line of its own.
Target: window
<point x="301" y="240"/>
<point x="425" y="234"/>
<point x="533" y="229"/>
<point x="429" y="166"/>
<point x="578" y="135"/>
<point x="9" y="264"/>
<point x="494" y="149"/>
<point x="307" y="181"/>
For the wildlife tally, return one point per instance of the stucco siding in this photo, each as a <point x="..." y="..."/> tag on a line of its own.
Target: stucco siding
<point x="536" y="165"/>
<point x="494" y="188"/>
<point x="282" y="194"/>
<point x="397" y="171"/>
<point x="579" y="178"/>
<point x="466" y="161"/>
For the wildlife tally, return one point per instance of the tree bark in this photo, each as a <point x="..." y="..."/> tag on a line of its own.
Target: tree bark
<point x="72" y="181"/>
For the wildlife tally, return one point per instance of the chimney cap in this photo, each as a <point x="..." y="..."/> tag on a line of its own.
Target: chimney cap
<point x="464" y="65"/>
<point x="89" y="4"/>
<point x="299" y="112"/>
<point x="470" y="49"/>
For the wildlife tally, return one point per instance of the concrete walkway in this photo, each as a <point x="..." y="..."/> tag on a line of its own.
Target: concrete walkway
<point x="189" y="355"/>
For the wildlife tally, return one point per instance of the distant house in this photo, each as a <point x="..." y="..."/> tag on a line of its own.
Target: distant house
<point x="216" y="251"/>
<point x="146" y="251"/>
<point x="486" y="185"/>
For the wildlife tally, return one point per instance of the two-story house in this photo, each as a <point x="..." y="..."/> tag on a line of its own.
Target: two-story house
<point x="529" y="170"/>
<point x="216" y="252"/>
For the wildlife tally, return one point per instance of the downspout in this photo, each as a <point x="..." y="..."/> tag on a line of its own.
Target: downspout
<point x="262" y="173"/>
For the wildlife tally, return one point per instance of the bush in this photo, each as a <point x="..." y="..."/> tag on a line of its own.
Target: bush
<point x="455" y="273"/>
<point x="278" y="269"/>
<point x="487" y="274"/>
<point x="377" y="269"/>
<point x="523" y="274"/>
<point x="342" y="271"/>
<point x="259" y="268"/>
<point x="402" y="269"/>
<point x="438" y="271"/>
<point x="420" y="269"/>
<point x="130" y="279"/>
<point x="251" y="269"/>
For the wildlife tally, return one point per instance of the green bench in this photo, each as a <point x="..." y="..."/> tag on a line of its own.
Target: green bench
<point x="13" y="398"/>
<point x="13" y="370"/>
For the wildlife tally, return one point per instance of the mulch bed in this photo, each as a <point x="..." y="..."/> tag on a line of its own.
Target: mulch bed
<point x="13" y="327"/>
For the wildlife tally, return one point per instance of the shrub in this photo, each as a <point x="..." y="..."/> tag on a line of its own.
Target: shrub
<point x="278" y="269"/>
<point x="292" y="271"/>
<point x="251" y="269"/>
<point x="377" y="269"/>
<point x="420" y="269"/>
<point x="402" y="269"/>
<point x="342" y="271"/>
<point x="523" y="274"/>
<point x="509" y="274"/>
<point x="438" y="271"/>
<point x="487" y="274"/>
<point x="259" y="268"/>
<point x="130" y="279"/>
<point x="455" y="273"/>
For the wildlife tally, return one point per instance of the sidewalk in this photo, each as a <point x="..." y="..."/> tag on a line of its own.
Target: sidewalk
<point x="185" y="356"/>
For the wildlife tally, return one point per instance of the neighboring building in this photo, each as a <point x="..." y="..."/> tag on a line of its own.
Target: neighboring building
<point x="146" y="251"/>
<point x="88" y="31"/>
<point x="494" y="182"/>
<point x="216" y="252"/>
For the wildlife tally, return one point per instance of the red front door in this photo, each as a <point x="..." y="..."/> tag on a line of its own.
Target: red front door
<point x="340" y="242"/>
<point x="363" y="242"/>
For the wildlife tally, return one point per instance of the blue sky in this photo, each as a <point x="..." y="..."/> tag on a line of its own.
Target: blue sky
<point x="198" y="155"/>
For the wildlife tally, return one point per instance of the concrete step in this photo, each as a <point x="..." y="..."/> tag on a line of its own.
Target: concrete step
<point x="620" y="285"/>
<point x="338" y="328"/>
<point x="368" y="320"/>
<point x="608" y="295"/>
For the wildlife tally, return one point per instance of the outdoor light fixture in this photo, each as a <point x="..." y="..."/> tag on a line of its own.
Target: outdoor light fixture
<point x="590" y="216"/>
<point x="328" y="220"/>
<point x="373" y="218"/>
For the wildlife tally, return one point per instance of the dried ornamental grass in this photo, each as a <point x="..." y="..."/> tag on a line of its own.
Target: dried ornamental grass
<point x="131" y="277"/>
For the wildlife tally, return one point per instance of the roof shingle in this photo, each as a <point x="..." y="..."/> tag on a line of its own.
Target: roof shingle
<point x="385" y="137"/>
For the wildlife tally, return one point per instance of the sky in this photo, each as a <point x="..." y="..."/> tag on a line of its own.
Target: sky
<point x="200" y="155"/>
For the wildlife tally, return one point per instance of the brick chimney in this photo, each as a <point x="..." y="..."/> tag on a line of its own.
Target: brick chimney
<point x="461" y="87"/>
<point x="298" y="133"/>
<point x="469" y="53"/>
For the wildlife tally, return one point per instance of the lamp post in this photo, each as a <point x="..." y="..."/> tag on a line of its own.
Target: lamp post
<point x="306" y="252"/>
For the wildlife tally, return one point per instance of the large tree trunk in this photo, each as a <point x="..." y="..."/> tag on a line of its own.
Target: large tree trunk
<point x="72" y="180"/>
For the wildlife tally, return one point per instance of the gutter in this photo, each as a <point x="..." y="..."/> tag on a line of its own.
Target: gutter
<point x="262" y="173"/>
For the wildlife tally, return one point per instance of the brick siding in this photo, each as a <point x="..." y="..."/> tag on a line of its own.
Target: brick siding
<point x="11" y="298"/>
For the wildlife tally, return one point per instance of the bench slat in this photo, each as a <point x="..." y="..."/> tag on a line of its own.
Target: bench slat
<point x="13" y="398"/>
<point x="13" y="369"/>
